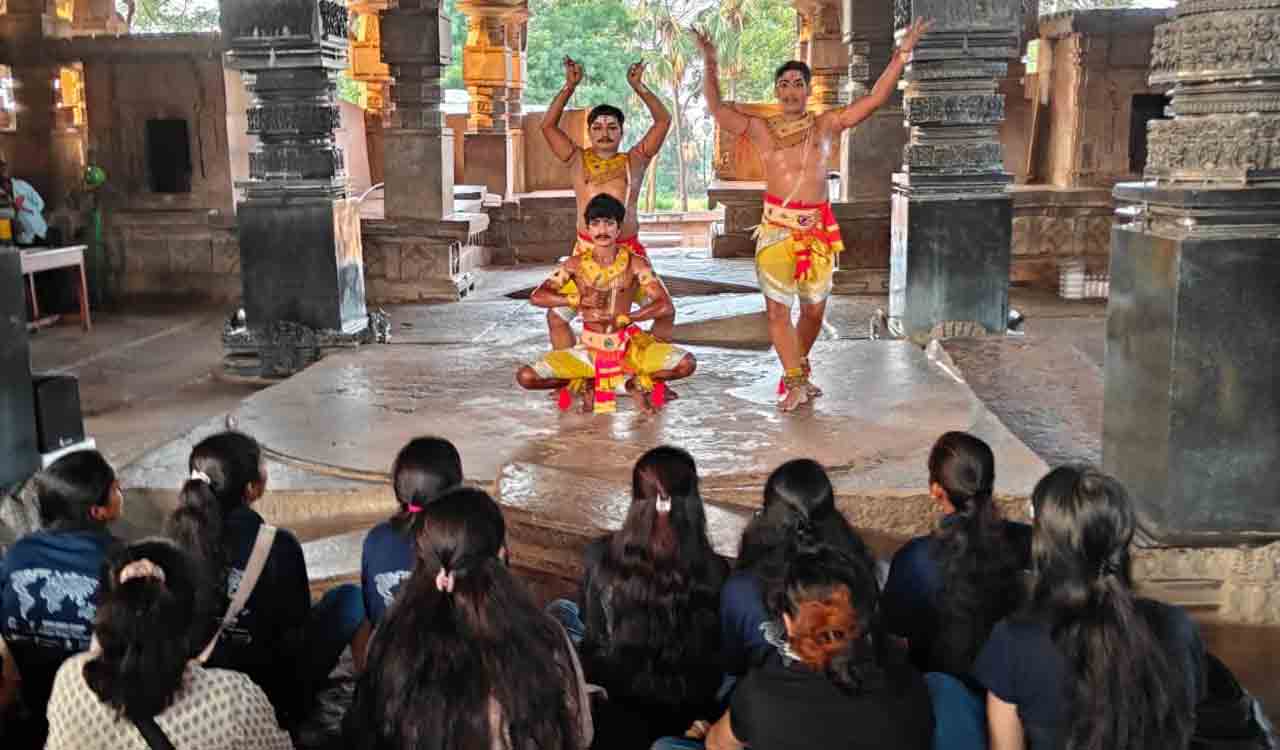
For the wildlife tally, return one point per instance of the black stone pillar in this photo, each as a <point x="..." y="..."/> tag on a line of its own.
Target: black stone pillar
<point x="19" y="457"/>
<point x="952" y="217"/>
<point x="1192" y="418"/>
<point x="300" y="247"/>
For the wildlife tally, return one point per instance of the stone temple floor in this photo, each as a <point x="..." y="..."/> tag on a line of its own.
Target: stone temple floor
<point x="150" y="387"/>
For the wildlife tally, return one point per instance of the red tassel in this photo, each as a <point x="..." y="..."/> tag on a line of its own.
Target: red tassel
<point x="566" y="399"/>
<point x="658" y="397"/>
<point x="804" y="264"/>
<point x="782" y="386"/>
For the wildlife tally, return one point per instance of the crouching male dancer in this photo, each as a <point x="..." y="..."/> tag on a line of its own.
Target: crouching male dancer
<point x="601" y="168"/>
<point x="602" y="284"/>
<point x="798" y="239"/>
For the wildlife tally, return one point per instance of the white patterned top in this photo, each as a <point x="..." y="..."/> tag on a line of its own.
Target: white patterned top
<point x="215" y="709"/>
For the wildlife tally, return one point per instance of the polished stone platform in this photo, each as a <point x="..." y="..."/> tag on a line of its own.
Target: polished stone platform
<point x="334" y="429"/>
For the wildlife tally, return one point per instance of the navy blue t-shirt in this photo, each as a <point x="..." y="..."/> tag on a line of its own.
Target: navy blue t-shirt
<point x="742" y="619"/>
<point x="268" y="640"/>
<point x="387" y="560"/>
<point x="48" y="601"/>
<point x="1023" y="667"/>
<point x="909" y="600"/>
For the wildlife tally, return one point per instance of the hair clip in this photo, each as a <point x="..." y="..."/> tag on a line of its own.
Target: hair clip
<point x="143" y="568"/>
<point x="444" y="581"/>
<point x="200" y="476"/>
<point x="663" y="503"/>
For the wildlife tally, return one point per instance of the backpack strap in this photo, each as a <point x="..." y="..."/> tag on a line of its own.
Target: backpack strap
<point x="252" y="572"/>
<point x="153" y="734"/>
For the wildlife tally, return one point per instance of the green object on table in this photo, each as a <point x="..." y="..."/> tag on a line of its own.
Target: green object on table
<point x="94" y="178"/>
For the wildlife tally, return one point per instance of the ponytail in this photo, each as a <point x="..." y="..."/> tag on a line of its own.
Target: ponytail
<point x="1125" y="691"/>
<point x="425" y="468"/>
<point x="144" y="628"/>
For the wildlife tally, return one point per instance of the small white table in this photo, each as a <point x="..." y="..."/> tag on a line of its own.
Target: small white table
<point x="40" y="259"/>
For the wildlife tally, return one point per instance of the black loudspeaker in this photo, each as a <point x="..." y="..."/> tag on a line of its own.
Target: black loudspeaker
<point x="19" y="458"/>
<point x="59" y="422"/>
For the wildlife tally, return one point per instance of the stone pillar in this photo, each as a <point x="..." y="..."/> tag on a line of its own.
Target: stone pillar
<point x="493" y="69"/>
<point x="826" y="52"/>
<point x="19" y="456"/>
<point x="1192" y="419"/>
<point x="300" y="253"/>
<point x="952" y="215"/>
<point x="417" y="44"/>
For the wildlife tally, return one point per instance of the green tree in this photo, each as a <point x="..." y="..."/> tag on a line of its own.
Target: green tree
<point x="170" y="16"/>
<point x="596" y="33"/>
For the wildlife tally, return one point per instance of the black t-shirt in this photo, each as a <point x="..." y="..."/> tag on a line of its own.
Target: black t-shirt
<point x="267" y="640"/>
<point x="1023" y="667"/>
<point x="780" y="706"/>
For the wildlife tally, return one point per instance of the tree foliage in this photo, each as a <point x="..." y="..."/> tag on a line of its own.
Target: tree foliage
<point x="171" y="16"/>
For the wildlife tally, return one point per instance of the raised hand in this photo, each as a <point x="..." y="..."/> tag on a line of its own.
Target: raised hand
<point x="703" y="40"/>
<point x="919" y="28"/>
<point x="635" y="75"/>
<point x="572" y="72"/>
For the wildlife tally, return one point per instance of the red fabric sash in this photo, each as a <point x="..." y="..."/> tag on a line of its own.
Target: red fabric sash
<point x="826" y="236"/>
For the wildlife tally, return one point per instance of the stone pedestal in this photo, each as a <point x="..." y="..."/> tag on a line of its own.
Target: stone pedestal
<point x="491" y="159"/>
<point x="300" y="251"/>
<point x="952" y="217"/>
<point x="1192" y="418"/>
<point x="743" y="208"/>
<point x="19" y="457"/>
<point x="314" y="273"/>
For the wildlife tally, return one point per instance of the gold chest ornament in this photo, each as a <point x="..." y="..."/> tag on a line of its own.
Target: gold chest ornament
<point x="599" y="170"/>
<point x="787" y="133"/>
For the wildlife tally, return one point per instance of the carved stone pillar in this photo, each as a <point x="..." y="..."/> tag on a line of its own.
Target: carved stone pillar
<point x="952" y="216"/>
<point x="300" y="252"/>
<point x="1192" y="420"/>
<point x="417" y="44"/>
<point x="826" y="52"/>
<point x="493" y="66"/>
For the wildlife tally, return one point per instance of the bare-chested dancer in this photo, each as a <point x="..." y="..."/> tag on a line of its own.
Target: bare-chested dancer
<point x="602" y="283"/>
<point x="602" y="169"/>
<point x="798" y="239"/>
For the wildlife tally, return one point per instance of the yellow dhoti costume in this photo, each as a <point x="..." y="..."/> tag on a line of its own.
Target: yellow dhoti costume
<point x="603" y="361"/>
<point x="796" y="250"/>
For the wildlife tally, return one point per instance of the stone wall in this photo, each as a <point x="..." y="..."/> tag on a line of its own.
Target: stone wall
<point x="173" y="244"/>
<point x="1051" y="225"/>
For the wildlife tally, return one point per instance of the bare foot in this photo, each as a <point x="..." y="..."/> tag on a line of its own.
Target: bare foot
<point x="794" y="399"/>
<point x="671" y="394"/>
<point x="814" y="391"/>
<point x="641" y="399"/>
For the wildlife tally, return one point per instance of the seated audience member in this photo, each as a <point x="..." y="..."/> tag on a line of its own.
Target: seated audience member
<point x="834" y="685"/>
<point x="278" y="638"/>
<point x="798" y="500"/>
<point x="49" y="578"/>
<point x="948" y="589"/>
<point x="1088" y="665"/>
<point x="424" y="469"/>
<point x="650" y="595"/>
<point x="141" y="681"/>
<point x="466" y="659"/>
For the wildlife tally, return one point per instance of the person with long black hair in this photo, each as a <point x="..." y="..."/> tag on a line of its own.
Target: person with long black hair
<point x="141" y="677"/>
<point x="49" y="578"/>
<point x="1088" y="665"/>
<point x="423" y="470"/>
<point x="948" y="589"/>
<point x="650" y="596"/>
<point x="798" y="501"/>
<point x="835" y="684"/>
<point x="287" y="645"/>
<point x="466" y="660"/>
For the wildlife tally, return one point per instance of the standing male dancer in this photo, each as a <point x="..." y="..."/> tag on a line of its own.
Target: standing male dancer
<point x="798" y="240"/>
<point x="601" y="168"/>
